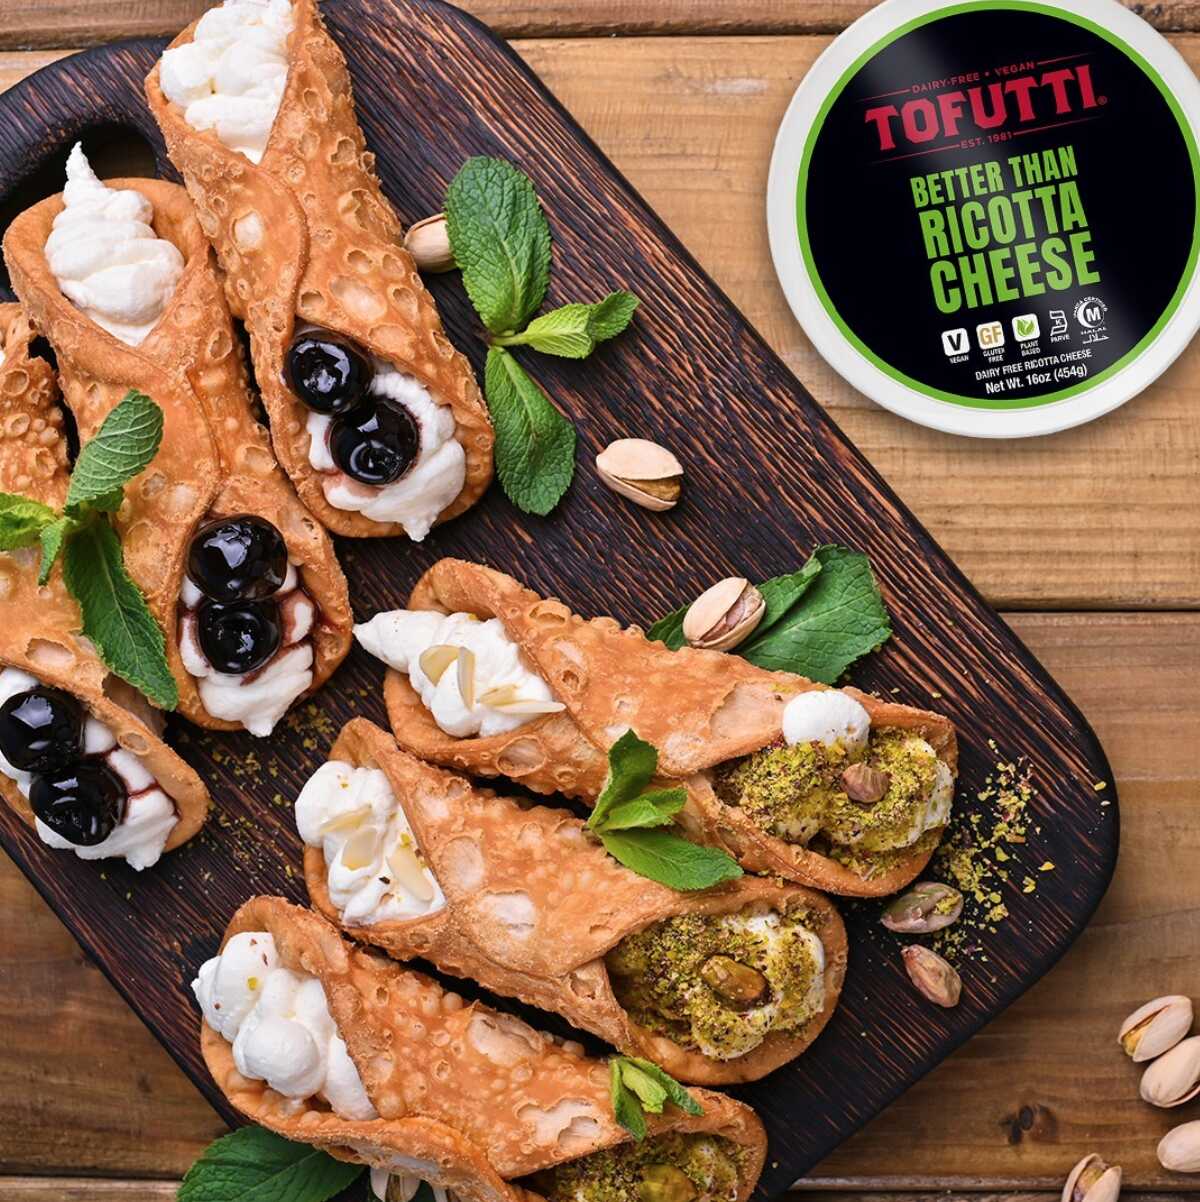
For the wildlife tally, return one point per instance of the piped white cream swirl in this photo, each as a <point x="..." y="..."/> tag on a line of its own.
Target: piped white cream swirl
<point x="106" y="257"/>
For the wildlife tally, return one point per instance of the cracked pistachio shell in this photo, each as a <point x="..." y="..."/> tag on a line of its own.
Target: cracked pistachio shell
<point x="1156" y="1027"/>
<point x="1179" y="1149"/>
<point x="429" y="244"/>
<point x="926" y="907"/>
<point x="724" y="615"/>
<point x="1174" y="1078"/>
<point x="1094" y="1180"/>
<point x="642" y="471"/>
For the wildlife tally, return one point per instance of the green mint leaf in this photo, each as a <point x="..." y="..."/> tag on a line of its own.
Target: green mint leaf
<point x="632" y="763"/>
<point x="610" y="316"/>
<point x="627" y="1110"/>
<point x="535" y="444"/>
<point x="676" y="1094"/>
<point x="52" y="539"/>
<point x="666" y="858"/>
<point x="501" y="241"/>
<point x="669" y="630"/>
<point x="22" y="521"/>
<point x="572" y="331"/>
<point x="124" y="445"/>
<point x="648" y="1091"/>
<point x="838" y="618"/>
<point x="656" y="808"/>
<point x="115" y="615"/>
<point x="255" y="1165"/>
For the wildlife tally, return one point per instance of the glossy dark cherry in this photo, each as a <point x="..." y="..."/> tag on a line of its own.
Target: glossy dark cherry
<point x="375" y="443"/>
<point x="329" y="373"/>
<point x="239" y="638"/>
<point x="241" y="558"/>
<point x="41" y="729"/>
<point x="82" y="802"/>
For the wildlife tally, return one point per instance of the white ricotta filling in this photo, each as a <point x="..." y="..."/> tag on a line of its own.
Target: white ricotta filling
<point x="829" y="717"/>
<point x="106" y="257"/>
<point x="231" y="76"/>
<point x="374" y="869"/>
<point x="257" y="700"/>
<point x="433" y="481"/>
<point x="507" y="694"/>
<point x="280" y="1026"/>
<point x="149" y="818"/>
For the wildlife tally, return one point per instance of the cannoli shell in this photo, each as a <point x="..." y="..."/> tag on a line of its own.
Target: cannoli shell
<point x="48" y="644"/>
<point x="214" y="460"/>
<point x="699" y="708"/>
<point x="488" y="852"/>
<point x="476" y="1095"/>
<point x="307" y="235"/>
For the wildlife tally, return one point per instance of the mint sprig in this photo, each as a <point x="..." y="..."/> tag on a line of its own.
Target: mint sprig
<point x="256" y="1165"/>
<point x="115" y="615"/>
<point x="639" y="1087"/>
<point x="501" y="242"/>
<point x="628" y="817"/>
<point x="818" y="620"/>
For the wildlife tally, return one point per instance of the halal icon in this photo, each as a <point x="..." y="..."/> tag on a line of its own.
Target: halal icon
<point x="1091" y="313"/>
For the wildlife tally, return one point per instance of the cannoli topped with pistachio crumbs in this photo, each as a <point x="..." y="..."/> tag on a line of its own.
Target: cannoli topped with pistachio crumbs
<point x="241" y="578"/>
<point x="81" y="760"/>
<point x="342" y="1048"/>
<point x="716" y="987"/>
<point x="830" y="788"/>
<point x="377" y="419"/>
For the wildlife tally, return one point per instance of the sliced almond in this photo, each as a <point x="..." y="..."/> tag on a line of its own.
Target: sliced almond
<point x="359" y="850"/>
<point x="408" y="871"/>
<point x="503" y="694"/>
<point x="530" y="705"/>
<point x="436" y="659"/>
<point x="346" y="821"/>
<point x="466" y="677"/>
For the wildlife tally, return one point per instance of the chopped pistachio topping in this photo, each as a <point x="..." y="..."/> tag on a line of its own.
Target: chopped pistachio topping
<point x="722" y="983"/>
<point x="652" y="1171"/>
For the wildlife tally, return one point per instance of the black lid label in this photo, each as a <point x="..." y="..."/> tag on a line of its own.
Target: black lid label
<point x="998" y="204"/>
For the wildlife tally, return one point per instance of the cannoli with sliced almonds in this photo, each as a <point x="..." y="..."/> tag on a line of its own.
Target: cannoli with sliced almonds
<point x="716" y="987"/>
<point x="340" y="1047"/>
<point x="241" y="578"/>
<point x="81" y="760"/>
<point x="374" y="415"/>
<point x="830" y="788"/>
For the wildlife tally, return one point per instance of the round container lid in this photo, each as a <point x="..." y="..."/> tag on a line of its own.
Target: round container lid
<point x="986" y="213"/>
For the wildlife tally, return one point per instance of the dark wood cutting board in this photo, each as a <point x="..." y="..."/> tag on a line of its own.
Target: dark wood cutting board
<point x="768" y="478"/>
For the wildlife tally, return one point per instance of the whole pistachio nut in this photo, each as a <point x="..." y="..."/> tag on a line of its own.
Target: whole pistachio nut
<point x="429" y="244"/>
<point x="1179" y="1149"/>
<point x="934" y="978"/>
<point x="642" y="471"/>
<point x="865" y="785"/>
<point x="666" y="1183"/>
<point x="738" y="985"/>
<point x="927" y="907"/>
<point x="1174" y="1078"/>
<point x="1094" y="1180"/>
<point x="1156" y="1027"/>
<point x="724" y="615"/>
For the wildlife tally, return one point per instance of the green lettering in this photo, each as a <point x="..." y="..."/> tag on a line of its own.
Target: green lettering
<point x="1081" y="249"/>
<point x="933" y="230"/>
<point x="948" y="297"/>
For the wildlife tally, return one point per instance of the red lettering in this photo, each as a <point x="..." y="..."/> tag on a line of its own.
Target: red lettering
<point x="920" y="120"/>
<point x="883" y="123"/>
<point x="950" y="105"/>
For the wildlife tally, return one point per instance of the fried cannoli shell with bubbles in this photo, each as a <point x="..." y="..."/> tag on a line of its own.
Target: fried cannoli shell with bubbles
<point x="47" y="643"/>
<point x="487" y="851"/>
<point x="306" y="235"/>
<point x="428" y="1060"/>
<point x="698" y="708"/>
<point x="214" y="460"/>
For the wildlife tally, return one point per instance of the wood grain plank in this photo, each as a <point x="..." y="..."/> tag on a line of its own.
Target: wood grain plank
<point x="1098" y="517"/>
<point x="107" y="1099"/>
<point x="91" y="1189"/>
<point x="39" y="23"/>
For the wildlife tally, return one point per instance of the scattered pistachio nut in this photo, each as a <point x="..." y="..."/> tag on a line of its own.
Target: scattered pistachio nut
<point x="1156" y="1027"/>
<point x="724" y="615"/>
<point x="1174" y="1078"/>
<point x="1094" y="1180"/>
<point x="927" y="907"/>
<point x="741" y="986"/>
<point x="934" y="978"/>
<point x="864" y="784"/>
<point x="642" y="471"/>
<point x="666" y="1183"/>
<point x="429" y="244"/>
<point x="1179" y="1149"/>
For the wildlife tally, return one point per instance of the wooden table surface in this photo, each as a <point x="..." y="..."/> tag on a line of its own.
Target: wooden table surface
<point x="1088" y="541"/>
